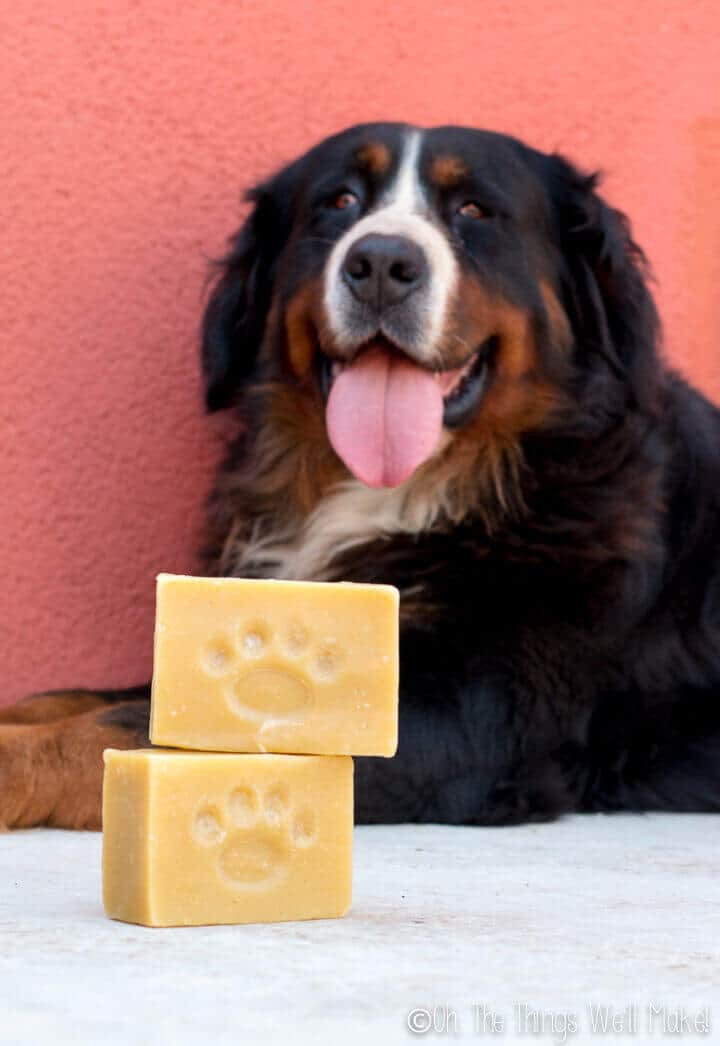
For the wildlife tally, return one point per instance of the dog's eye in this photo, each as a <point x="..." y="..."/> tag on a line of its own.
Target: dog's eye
<point x="344" y="200"/>
<point x="473" y="210"/>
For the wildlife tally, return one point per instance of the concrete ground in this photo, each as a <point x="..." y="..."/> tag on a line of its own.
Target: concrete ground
<point x="521" y="934"/>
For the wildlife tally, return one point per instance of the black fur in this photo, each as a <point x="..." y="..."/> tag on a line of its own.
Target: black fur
<point x="131" y="713"/>
<point x="237" y="311"/>
<point x="570" y="660"/>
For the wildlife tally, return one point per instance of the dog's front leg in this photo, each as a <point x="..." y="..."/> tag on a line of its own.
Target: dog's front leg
<point x="51" y="749"/>
<point x="474" y="757"/>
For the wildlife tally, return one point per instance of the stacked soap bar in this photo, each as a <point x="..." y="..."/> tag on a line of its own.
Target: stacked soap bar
<point x="275" y="666"/>
<point x="296" y="676"/>
<point x="192" y="838"/>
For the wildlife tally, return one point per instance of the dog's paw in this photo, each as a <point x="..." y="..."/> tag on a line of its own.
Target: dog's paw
<point x="24" y="754"/>
<point x="51" y="761"/>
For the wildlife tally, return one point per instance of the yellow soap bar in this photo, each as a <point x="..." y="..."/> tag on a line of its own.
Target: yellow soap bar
<point x="192" y="839"/>
<point x="275" y="666"/>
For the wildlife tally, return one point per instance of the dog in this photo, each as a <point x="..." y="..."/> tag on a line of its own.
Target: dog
<point x="445" y="358"/>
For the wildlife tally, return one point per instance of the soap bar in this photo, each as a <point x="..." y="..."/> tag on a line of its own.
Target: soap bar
<point x="275" y="666"/>
<point x="192" y="839"/>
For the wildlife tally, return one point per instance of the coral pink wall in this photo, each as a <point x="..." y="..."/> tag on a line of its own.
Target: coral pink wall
<point x="130" y="129"/>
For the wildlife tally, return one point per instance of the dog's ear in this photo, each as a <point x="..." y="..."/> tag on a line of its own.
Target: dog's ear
<point x="236" y="313"/>
<point x="605" y="282"/>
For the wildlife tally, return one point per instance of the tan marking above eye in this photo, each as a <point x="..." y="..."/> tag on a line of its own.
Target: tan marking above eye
<point x="447" y="170"/>
<point x="375" y="157"/>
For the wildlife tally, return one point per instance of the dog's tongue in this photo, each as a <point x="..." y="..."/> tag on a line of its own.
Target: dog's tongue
<point x="384" y="417"/>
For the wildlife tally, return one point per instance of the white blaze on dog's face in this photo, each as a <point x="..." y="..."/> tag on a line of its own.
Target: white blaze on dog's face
<point x="402" y="212"/>
<point x="388" y="285"/>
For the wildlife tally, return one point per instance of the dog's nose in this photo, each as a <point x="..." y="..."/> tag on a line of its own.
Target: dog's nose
<point x="384" y="270"/>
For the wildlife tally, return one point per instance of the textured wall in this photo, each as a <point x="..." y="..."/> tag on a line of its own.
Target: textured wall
<point x="130" y="128"/>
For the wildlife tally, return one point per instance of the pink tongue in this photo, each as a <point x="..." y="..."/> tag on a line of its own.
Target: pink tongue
<point x="384" y="417"/>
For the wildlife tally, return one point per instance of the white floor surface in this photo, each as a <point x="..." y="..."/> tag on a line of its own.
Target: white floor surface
<point x="536" y="924"/>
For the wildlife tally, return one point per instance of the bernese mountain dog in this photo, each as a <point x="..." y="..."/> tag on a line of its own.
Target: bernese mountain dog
<point x="443" y="355"/>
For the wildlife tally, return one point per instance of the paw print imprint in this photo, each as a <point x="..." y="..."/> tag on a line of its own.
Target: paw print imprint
<point x="255" y="836"/>
<point x="271" y="673"/>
